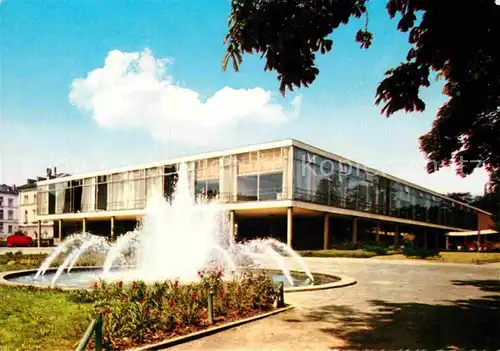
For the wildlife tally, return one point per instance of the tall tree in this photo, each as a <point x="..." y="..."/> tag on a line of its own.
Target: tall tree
<point x="463" y="197"/>
<point x="457" y="39"/>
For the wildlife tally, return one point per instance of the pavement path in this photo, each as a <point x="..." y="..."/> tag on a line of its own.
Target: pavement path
<point x="394" y="305"/>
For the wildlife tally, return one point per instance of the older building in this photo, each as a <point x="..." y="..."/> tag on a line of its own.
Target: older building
<point x="28" y="221"/>
<point x="8" y="210"/>
<point x="288" y="190"/>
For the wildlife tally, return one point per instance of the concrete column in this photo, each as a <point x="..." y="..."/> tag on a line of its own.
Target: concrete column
<point x="39" y="233"/>
<point x="447" y="242"/>
<point x="84" y="225"/>
<point x="396" y="235"/>
<point x="326" y="232"/>
<point x="232" y="223"/>
<point x="112" y="231"/>
<point x="425" y="238"/>
<point x="59" y="230"/>
<point x="354" y="230"/>
<point x="289" y="227"/>
<point x="377" y="233"/>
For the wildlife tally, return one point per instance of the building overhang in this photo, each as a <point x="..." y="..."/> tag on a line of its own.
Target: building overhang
<point x="473" y="233"/>
<point x="257" y="208"/>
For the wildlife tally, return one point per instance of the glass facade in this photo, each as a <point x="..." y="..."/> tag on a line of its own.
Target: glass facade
<point x="329" y="182"/>
<point x="110" y="192"/>
<point x="252" y="176"/>
<point x="262" y="175"/>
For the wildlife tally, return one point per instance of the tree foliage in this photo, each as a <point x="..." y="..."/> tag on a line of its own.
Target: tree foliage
<point x="489" y="201"/>
<point x="459" y="40"/>
<point x="466" y="198"/>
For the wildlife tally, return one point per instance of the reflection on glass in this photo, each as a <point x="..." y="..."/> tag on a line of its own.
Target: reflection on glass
<point x="247" y="188"/>
<point x="270" y="186"/>
<point x="208" y="188"/>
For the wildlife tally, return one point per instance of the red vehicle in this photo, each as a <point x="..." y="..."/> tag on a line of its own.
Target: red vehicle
<point x="19" y="239"/>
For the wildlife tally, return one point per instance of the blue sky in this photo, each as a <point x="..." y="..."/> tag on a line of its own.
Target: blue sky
<point x="47" y="121"/>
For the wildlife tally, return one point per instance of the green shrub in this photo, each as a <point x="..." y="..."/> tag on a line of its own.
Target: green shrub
<point x="379" y="250"/>
<point x="135" y="311"/>
<point x="416" y="252"/>
<point x="338" y="253"/>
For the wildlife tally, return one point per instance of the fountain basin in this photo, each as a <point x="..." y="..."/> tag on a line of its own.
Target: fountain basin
<point x="83" y="277"/>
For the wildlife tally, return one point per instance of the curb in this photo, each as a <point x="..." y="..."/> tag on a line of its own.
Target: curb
<point x="207" y="332"/>
<point x="342" y="281"/>
<point x="11" y="274"/>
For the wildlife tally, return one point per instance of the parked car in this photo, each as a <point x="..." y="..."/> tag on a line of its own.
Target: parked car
<point x="19" y="239"/>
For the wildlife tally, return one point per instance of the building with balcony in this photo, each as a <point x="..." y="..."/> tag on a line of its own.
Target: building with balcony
<point x="8" y="210"/>
<point x="289" y="190"/>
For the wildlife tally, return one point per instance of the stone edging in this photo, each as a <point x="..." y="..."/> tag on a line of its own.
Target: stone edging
<point x="4" y="275"/>
<point x="206" y="332"/>
<point x="342" y="282"/>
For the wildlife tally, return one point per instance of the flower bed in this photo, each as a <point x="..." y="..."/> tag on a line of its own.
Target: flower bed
<point x="137" y="313"/>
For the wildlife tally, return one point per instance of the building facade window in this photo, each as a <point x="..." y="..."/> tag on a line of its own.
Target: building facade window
<point x="1" y="201"/>
<point x="169" y="181"/>
<point x="270" y="186"/>
<point x="10" y="202"/>
<point x="247" y="187"/>
<point x="9" y="229"/>
<point x="206" y="179"/>
<point x="260" y="175"/>
<point x="1" y="214"/>
<point x="10" y="215"/>
<point x="329" y="182"/>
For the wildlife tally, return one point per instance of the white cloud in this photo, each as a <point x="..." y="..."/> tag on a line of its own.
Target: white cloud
<point x="133" y="90"/>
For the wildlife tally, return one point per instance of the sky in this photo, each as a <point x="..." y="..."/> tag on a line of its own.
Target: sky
<point x="88" y="85"/>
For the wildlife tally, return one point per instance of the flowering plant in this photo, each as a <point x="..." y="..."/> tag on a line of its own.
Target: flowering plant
<point x="135" y="312"/>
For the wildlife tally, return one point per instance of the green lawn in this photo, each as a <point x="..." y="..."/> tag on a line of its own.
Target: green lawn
<point x="444" y="256"/>
<point x="469" y="257"/>
<point x="337" y="253"/>
<point x="453" y="257"/>
<point x="35" y="319"/>
<point x="38" y="319"/>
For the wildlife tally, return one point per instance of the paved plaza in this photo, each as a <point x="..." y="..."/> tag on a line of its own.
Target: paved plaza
<point x="394" y="305"/>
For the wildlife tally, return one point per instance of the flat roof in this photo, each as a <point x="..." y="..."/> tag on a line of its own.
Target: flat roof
<point x="250" y="148"/>
<point x="472" y="232"/>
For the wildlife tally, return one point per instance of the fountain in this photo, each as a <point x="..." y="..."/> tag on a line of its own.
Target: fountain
<point x="174" y="241"/>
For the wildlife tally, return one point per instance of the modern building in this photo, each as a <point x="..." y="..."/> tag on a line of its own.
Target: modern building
<point x="27" y="216"/>
<point x="289" y="190"/>
<point x="8" y="210"/>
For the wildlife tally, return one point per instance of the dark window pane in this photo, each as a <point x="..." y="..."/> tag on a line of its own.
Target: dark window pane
<point x="212" y="188"/>
<point x="207" y="188"/>
<point x="170" y="180"/>
<point x="270" y="185"/>
<point x="102" y="193"/>
<point x="52" y="199"/>
<point x="67" y="198"/>
<point x="247" y="188"/>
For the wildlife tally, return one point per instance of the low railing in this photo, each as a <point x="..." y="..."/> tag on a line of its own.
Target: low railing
<point x="94" y="329"/>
